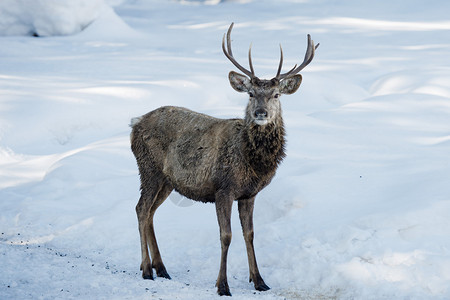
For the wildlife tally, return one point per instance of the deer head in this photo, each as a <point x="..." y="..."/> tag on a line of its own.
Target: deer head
<point x="264" y="105"/>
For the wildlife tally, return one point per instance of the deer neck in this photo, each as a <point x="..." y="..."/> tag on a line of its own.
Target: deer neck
<point x="264" y="146"/>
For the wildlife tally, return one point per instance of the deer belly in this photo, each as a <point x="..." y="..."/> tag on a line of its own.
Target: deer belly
<point x="191" y="173"/>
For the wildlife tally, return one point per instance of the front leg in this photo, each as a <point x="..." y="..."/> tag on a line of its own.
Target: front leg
<point x="246" y="216"/>
<point x="223" y="210"/>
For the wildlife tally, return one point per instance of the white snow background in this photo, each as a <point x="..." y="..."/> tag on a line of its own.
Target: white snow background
<point x="359" y="209"/>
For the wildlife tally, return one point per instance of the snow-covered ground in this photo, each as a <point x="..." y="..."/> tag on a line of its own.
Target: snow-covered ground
<point x="360" y="208"/>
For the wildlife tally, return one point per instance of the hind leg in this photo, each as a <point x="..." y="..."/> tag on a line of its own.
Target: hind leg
<point x="142" y="209"/>
<point x="150" y="233"/>
<point x="145" y="210"/>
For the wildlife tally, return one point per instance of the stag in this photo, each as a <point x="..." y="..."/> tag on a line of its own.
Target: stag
<point x="214" y="160"/>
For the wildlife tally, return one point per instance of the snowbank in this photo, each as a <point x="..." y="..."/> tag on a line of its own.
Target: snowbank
<point x="47" y="17"/>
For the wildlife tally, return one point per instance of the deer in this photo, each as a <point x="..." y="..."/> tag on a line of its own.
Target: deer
<point x="214" y="160"/>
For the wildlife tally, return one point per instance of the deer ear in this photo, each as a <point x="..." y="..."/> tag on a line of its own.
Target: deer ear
<point x="239" y="82"/>
<point x="291" y="84"/>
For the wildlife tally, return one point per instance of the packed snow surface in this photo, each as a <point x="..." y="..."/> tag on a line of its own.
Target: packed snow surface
<point x="359" y="209"/>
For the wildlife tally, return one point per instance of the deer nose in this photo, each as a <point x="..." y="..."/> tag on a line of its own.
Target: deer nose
<point x="260" y="113"/>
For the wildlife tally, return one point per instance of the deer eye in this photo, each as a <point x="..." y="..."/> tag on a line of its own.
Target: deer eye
<point x="276" y="96"/>
<point x="251" y="94"/>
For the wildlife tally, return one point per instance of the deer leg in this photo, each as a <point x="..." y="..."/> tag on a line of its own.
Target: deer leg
<point x="150" y="233"/>
<point x="142" y="211"/>
<point x="245" y="208"/>
<point x="223" y="210"/>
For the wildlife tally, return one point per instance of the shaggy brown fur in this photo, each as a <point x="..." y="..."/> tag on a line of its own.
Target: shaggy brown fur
<point x="209" y="160"/>
<point x="213" y="160"/>
<point x="212" y="155"/>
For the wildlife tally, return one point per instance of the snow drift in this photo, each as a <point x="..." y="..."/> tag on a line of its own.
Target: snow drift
<point x="47" y="17"/>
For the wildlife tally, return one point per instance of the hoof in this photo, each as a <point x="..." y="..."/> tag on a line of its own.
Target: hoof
<point x="223" y="289"/>
<point x="147" y="272"/>
<point x="224" y="293"/>
<point x="262" y="287"/>
<point x="161" y="270"/>
<point x="163" y="273"/>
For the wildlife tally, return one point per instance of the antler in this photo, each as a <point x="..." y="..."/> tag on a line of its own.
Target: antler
<point x="229" y="54"/>
<point x="308" y="58"/>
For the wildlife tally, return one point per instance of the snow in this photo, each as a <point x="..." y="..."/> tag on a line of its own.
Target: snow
<point x="47" y="17"/>
<point x="359" y="209"/>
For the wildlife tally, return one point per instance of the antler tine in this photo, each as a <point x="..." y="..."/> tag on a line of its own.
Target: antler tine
<point x="250" y="60"/>
<point x="229" y="54"/>
<point x="281" y="63"/>
<point x="309" y="55"/>
<point x="290" y="71"/>
<point x="229" y="39"/>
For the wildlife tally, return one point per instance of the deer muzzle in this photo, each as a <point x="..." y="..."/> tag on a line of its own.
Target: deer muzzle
<point x="261" y="116"/>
